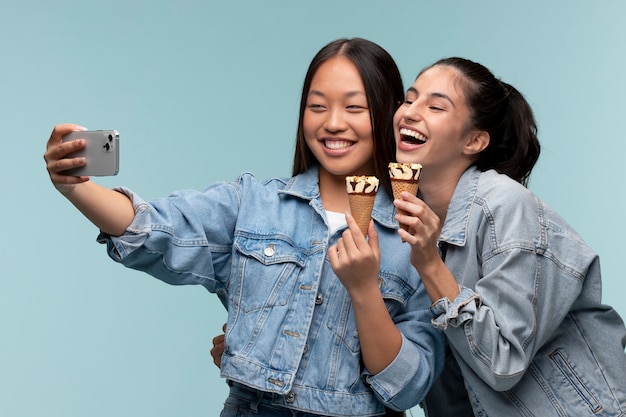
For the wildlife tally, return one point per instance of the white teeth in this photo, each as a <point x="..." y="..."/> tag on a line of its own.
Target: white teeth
<point x="413" y="134"/>
<point x="337" y="144"/>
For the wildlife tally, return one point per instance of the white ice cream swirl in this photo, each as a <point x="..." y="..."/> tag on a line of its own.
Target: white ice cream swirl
<point x="405" y="171"/>
<point x="361" y="184"/>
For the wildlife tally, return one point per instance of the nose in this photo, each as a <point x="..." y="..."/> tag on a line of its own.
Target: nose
<point x="412" y="112"/>
<point x="335" y="120"/>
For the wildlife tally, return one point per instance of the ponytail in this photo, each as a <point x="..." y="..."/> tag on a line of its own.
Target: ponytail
<point x="501" y="110"/>
<point x="514" y="147"/>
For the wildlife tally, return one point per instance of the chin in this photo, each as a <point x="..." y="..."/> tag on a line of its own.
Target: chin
<point x="407" y="157"/>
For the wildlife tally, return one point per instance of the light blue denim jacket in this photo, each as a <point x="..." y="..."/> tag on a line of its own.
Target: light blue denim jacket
<point x="528" y="330"/>
<point x="262" y="248"/>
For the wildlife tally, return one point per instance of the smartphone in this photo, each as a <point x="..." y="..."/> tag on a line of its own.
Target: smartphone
<point x="102" y="151"/>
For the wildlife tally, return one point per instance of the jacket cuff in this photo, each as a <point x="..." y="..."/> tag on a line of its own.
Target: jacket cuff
<point x="136" y="233"/>
<point x="389" y="382"/>
<point x="457" y="312"/>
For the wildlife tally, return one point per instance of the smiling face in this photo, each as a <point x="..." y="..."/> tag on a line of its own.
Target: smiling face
<point x="336" y="121"/>
<point x="432" y="126"/>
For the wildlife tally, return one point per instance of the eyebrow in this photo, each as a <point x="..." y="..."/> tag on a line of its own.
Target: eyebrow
<point x="436" y="95"/>
<point x="348" y="94"/>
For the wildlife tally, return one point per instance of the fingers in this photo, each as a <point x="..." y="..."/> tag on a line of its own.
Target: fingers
<point x="352" y="234"/>
<point x="61" y="130"/>
<point x="423" y="224"/>
<point x="219" y="345"/>
<point x="333" y="253"/>
<point x="218" y="349"/>
<point x="413" y="207"/>
<point x="56" y="156"/>
<point x="56" y="149"/>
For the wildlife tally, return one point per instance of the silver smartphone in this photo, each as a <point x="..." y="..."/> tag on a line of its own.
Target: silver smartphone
<point x="102" y="151"/>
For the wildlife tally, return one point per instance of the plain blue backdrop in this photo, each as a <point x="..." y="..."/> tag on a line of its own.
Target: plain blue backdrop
<point x="203" y="90"/>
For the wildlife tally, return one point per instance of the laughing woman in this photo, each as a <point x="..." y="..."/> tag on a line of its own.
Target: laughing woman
<point x="515" y="289"/>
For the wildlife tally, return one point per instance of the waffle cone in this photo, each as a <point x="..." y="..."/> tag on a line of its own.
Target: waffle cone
<point x="361" y="206"/>
<point x="403" y="185"/>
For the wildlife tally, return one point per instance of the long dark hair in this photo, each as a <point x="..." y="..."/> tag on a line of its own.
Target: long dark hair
<point x="501" y="110"/>
<point x="384" y="91"/>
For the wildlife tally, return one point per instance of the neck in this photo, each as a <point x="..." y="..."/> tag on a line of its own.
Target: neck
<point x="333" y="191"/>
<point x="436" y="191"/>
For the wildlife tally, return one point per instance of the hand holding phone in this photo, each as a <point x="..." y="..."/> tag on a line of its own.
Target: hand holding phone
<point x="101" y="152"/>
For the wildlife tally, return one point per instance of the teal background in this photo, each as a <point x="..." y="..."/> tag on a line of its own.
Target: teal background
<point x="203" y="90"/>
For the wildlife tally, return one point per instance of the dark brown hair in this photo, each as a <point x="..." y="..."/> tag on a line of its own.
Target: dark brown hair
<point x="383" y="88"/>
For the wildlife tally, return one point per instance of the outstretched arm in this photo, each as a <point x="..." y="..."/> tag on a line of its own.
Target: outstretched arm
<point x="109" y="210"/>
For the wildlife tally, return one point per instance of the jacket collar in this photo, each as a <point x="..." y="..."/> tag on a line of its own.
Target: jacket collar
<point x="306" y="186"/>
<point x="455" y="228"/>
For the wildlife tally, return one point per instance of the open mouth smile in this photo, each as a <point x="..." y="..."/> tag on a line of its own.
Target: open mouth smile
<point x="411" y="137"/>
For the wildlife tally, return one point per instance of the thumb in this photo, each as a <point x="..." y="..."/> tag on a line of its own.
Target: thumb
<point x="372" y="235"/>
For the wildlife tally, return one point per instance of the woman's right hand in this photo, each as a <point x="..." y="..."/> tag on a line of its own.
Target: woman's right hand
<point x="423" y="234"/>
<point x="57" y="161"/>
<point x="111" y="211"/>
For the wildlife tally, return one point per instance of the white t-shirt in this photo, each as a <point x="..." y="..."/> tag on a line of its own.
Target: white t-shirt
<point x="335" y="220"/>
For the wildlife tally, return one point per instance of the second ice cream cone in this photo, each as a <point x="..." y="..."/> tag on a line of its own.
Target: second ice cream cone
<point x="404" y="177"/>
<point x="398" y="186"/>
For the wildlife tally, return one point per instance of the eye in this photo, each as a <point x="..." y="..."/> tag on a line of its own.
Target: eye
<point x="356" y="108"/>
<point x="410" y="97"/>
<point x="316" y="107"/>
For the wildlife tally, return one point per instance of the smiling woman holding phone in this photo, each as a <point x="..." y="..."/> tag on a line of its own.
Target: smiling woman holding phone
<point x="310" y="331"/>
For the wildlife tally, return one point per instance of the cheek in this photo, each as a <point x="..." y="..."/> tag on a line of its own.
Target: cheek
<point x="397" y="117"/>
<point x="307" y="124"/>
<point x="363" y="126"/>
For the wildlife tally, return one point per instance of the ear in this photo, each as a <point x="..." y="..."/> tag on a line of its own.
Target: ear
<point x="477" y="142"/>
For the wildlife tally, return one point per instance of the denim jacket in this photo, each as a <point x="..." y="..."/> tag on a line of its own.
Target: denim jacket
<point x="262" y="248"/>
<point x="528" y="330"/>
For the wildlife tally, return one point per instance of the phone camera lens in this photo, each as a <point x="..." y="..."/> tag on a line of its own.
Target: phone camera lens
<point x="110" y="137"/>
<point x="107" y="147"/>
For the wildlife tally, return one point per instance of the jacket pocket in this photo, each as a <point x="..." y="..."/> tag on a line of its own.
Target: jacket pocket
<point x="265" y="271"/>
<point x="561" y="361"/>
<point x="394" y="291"/>
<point x="342" y="321"/>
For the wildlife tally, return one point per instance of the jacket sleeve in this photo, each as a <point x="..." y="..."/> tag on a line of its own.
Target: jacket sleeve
<point x="526" y="289"/>
<point x="408" y="378"/>
<point x="185" y="238"/>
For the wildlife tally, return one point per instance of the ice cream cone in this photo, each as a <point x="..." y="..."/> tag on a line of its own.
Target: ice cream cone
<point x="404" y="177"/>
<point x="361" y="209"/>
<point x="362" y="194"/>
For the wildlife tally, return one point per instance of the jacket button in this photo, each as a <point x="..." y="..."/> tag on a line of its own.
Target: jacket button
<point x="269" y="251"/>
<point x="291" y="397"/>
<point x="319" y="299"/>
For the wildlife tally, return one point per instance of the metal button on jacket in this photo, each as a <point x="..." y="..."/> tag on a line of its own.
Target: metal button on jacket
<point x="269" y="251"/>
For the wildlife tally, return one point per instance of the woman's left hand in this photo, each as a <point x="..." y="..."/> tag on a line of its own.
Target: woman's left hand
<point x="354" y="259"/>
